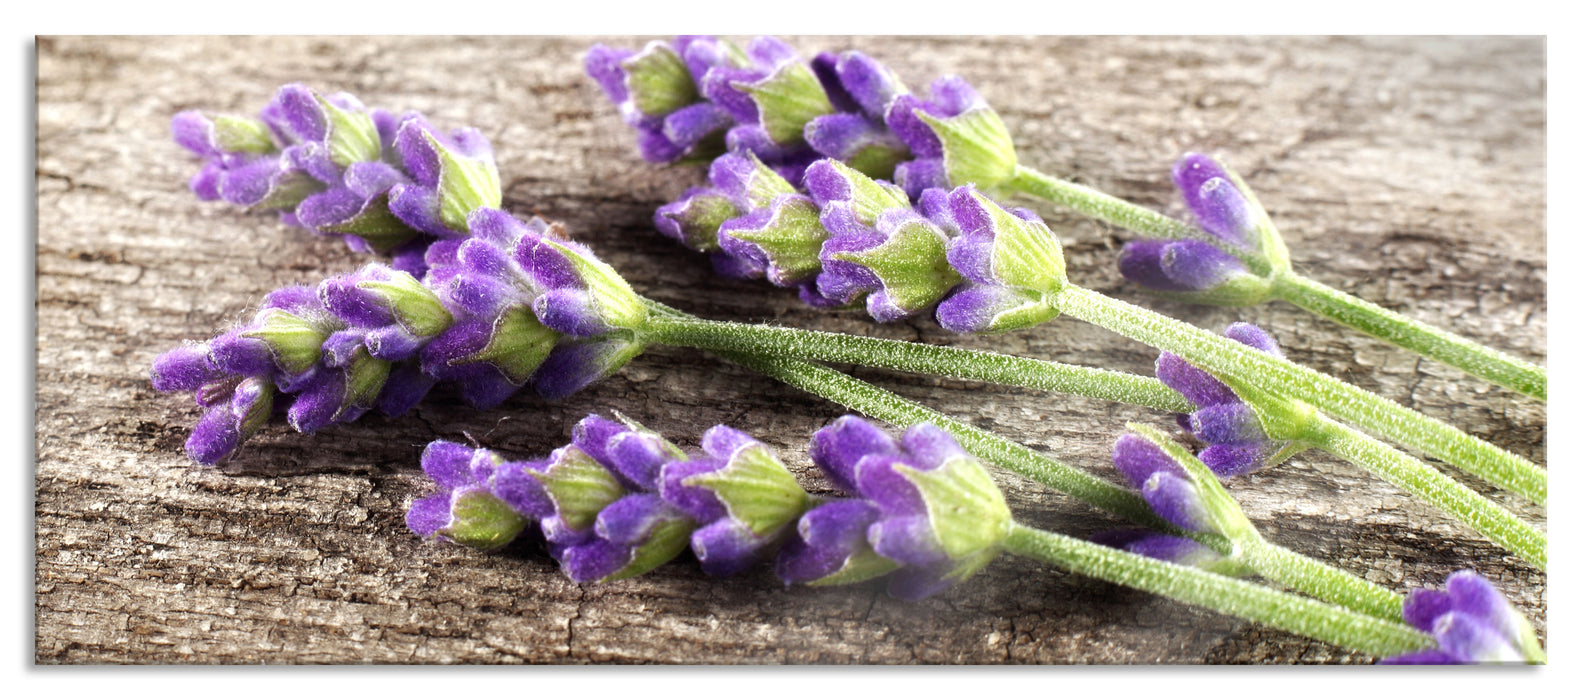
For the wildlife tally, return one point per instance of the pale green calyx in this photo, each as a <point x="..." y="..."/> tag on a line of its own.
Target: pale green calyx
<point x="756" y="489"/>
<point x="869" y="197"/>
<point x="465" y="183"/>
<point x="977" y="146"/>
<point x="481" y="521"/>
<point x="237" y="134"/>
<point x="1027" y="254"/>
<point x="787" y="100"/>
<point x="658" y="81"/>
<point x="352" y="138"/>
<point x="578" y="485"/>
<point x="618" y="304"/>
<point x="365" y="377"/>
<point x="417" y="308"/>
<point x="791" y="239"/>
<point x="517" y="345"/>
<point x="911" y="263"/>
<point x="966" y="508"/>
<point x="297" y="343"/>
<point x="763" y="184"/>
<point x="664" y="541"/>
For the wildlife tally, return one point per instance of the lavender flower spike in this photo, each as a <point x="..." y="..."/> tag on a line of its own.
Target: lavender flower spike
<point x="1472" y="623"/>
<point x="1237" y="443"/>
<point x="743" y="497"/>
<point x="657" y="91"/>
<point x="939" y="515"/>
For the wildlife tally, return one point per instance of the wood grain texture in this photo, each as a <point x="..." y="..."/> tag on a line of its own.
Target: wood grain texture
<point x="1408" y="171"/>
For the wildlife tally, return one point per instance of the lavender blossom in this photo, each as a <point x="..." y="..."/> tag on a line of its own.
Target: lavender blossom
<point x="1012" y="262"/>
<point x="513" y="304"/>
<point x="658" y="93"/>
<point x="955" y="137"/>
<point x="1237" y="441"/>
<point x="743" y="498"/>
<point x="934" y="511"/>
<point x="1472" y="623"/>
<point x="892" y="259"/>
<point x="861" y="90"/>
<point x="469" y="508"/>
<point x="329" y="164"/>
<point x="1202" y="271"/>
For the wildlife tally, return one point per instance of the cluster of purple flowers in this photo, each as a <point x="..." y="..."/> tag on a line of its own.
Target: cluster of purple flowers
<point x="764" y="100"/>
<point x="512" y="304"/>
<point x="388" y="184"/>
<point x="850" y="239"/>
<point x="1472" y="623"/>
<point x="1202" y="270"/>
<point x="620" y="500"/>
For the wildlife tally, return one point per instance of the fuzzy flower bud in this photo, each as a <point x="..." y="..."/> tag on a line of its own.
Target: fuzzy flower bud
<point x="741" y="495"/>
<point x="1473" y="624"/>
<point x="861" y="89"/>
<point x="1012" y="262"/>
<point x="956" y="139"/>
<point x="1176" y="550"/>
<point x="1238" y="443"/>
<point x="467" y="510"/>
<point x="940" y="516"/>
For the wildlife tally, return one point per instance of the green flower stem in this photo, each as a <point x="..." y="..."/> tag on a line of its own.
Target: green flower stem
<point x="1292" y="613"/>
<point x="1313" y="296"/>
<point x="866" y="398"/>
<point x="1114" y="210"/>
<point x="958" y="363"/>
<point x="1430" y="342"/>
<point x="1273" y="562"/>
<point x="1318" y="579"/>
<point x="1229" y="359"/>
<point x="1479" y="513"/>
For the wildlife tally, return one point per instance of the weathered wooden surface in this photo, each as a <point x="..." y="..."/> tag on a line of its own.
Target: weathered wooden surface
<point x="1408" y="171"/>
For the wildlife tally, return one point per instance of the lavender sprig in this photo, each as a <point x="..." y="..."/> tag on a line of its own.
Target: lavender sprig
<point x="388" y="184"/>
<point x="928" y="517"/>
<point x="513" y="304"/>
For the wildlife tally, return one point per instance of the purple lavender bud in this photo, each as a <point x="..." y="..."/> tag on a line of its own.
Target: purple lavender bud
<point x="830" y="182"/>
<point x="782" y="239"/>
<point x="631" y="451"/>
<point x="645" y="85"/>
<point x="464" y="511"/>
<point x="452" y="175"/>
<point x="268" y="182"/>
<point x="1472" y="623"/>
<point x="747" y="181"/>
<point x="838" y="447"/>
<point x="1178" y="266"/>
<point x="860" y="142"/>
<point x="788" y="160"/>
<point x="575" y="364"/>
<point x="490" y="358"/>
<point x="1236" y="459"/>
<point x="694" y="220"/>
<point x="1138" y="460"/>
<point x="186" y="368"/>
<point x="631" y="536"/>
<point x="743" y="498"/>
<point x="377" y="296"/>
<point x="1009" y="257"/>
<point x="865" y="82"/>
<point x="955" y="126"/>
<point x="1199" y="387"/>
<point x="830" y="546"/>
<point x="1227" y="423"/>
<point x="940" y="515"/>
<point x="1167" y="487"/>
<point x="1216" y="199"/>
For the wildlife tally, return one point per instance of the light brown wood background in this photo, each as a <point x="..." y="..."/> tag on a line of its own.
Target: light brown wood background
<point x="1407" y="171"/>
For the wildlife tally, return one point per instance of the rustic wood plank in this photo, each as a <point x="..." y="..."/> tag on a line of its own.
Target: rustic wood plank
<point x="1408" y="171"/>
